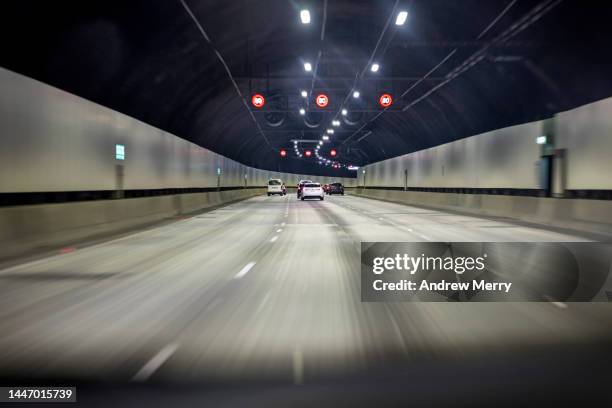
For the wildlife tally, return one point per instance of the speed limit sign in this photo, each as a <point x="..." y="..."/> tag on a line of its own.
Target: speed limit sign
<point x="258" y="100"/>
<point x="385" y="100"/>
<point x="322" y="100"/>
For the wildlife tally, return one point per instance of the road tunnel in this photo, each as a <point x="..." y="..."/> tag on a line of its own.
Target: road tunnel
<point x="304" y="203"/>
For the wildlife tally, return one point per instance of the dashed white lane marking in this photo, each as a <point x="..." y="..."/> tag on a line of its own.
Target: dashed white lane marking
<point x="153" y="365"/>
<point x="244" y="270"/>
<point x="380" y="218"/>
<point x="279" y="230"/>
<point x="298" y="367"/>
<point x="283" y="224"/>
<point x="274" y="238"/>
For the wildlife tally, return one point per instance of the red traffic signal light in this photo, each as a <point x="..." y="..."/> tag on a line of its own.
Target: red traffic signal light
<point x="308" y="153"/>
<point x="333" y="152"/>
<point x="283" y="153"/>
<point x="258" y="100"/>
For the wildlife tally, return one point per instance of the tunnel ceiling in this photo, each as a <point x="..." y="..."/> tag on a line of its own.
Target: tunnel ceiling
<point x="454" y="69"/>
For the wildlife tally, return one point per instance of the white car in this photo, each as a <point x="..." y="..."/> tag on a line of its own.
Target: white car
<point x="301" y="185"/>
<point x="312" y="190"/>
<point x="276" y="186"/>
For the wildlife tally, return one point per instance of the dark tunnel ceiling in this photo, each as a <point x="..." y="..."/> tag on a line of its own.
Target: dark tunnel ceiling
<point x="147" y="59"/>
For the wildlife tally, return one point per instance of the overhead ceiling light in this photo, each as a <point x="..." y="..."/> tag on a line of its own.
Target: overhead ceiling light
<point x="401" y="18"/>
<point x="330" y="131"/>
<point x="375" y="67"/>
<point x="305" y="16"/>
<point x="356" y="94"/>
<point x="325" y="138"/>
<point x="344" y="112"/>
<point x="302" y="111"/>
<point x="307" y="66"/>
<point x="304" y="94"/>
<point x="320" y="143"/>
<point x="335" y="122"/>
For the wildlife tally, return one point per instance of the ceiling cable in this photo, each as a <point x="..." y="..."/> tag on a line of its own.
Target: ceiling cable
<point x="227" y="70"/>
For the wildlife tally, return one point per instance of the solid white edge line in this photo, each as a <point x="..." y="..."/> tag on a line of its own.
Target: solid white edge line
<point x="154" y="363"/>
<point x="244" y="270"/>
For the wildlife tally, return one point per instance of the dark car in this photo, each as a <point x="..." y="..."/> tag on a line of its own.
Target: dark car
<point x="335" y="188"/>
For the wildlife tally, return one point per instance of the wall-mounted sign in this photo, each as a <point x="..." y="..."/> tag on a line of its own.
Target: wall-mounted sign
<point x="119" y="152"/>
<point x="218" y="171"/>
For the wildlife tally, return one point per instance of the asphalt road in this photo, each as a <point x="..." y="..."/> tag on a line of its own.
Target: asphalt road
<point x="263" y="289"/>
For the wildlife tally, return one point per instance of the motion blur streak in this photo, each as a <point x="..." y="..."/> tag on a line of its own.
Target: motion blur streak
<point x="104" y="311"/>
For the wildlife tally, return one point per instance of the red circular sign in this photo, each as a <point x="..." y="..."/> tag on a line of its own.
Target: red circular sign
<point x="385" y="100"/>
<point x="322" y="100"/>
<point x="258" y="100"/>
<point x="308" y="153"/>
<point x="332" y="152"/>
<point x="283" y="153"/>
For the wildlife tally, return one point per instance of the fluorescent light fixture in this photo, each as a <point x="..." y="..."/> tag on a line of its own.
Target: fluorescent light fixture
<point x="302" y="111"/>
<point x="305" y="16"/>
<point x="304" y="94"/>
<point x="344" y="112"/>
<point x="320" y="143"/>
<point x="401" y="18"/>
<point x="325" y="137"/>
<point x="353" y="168"/>
<point x="336" y="123"/>
<point x="541" y="140"/>
<point x="307" y="66"/>
<point x="356" y="94"/>
<point x="374" y="67"/>
<point x="330" y="131"/>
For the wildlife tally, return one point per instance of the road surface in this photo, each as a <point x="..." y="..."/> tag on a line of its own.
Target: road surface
<point x="266" y="288"/>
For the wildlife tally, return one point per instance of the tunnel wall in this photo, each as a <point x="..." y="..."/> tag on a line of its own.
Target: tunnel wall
<point x="51" y="140"/>
<point x="502" y="158"/>
<point x="509" y="158"/>
<point x="586" y="135"/>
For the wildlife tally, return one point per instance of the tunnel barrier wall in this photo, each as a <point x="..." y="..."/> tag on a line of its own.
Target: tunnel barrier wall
<point x="38" y="228"/>
<point x="53" y="141"/>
